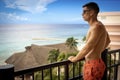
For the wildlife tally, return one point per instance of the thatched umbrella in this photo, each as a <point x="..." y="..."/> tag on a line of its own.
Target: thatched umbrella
<point x="41" y="53"/>
<point x="30" y="58"/>
<point x="23" y="61"/>
<point x="14" y="57"/>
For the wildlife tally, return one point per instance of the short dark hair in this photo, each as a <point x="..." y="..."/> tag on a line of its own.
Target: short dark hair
<point x="93" y="6"/>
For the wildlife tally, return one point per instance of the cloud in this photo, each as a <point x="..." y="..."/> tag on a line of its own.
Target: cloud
<point x="33" y="6"/>
<point x="12" y="17"/>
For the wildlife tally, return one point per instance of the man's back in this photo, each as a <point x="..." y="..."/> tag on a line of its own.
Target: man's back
<point x="101" y="40"/>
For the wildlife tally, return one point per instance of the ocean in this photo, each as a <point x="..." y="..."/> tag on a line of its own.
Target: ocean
<point x="14" y="38"/>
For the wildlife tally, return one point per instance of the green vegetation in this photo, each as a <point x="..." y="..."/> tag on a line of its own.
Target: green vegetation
<point x="84" y="38"/>
<point x="54" y="56"/>
<point x="71" y="43"/>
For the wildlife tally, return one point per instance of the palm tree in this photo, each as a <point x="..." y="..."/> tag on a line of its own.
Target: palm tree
<point x="71" y="42"/>
<point x="61" y="57"/>
<point x="53" y="55"/>
<point x="84" y="38"/>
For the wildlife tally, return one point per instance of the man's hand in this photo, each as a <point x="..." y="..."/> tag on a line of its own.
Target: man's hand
<point x="72" y="59"/>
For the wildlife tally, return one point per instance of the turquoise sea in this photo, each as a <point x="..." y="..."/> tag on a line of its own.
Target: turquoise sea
<point x="14" y="38"/>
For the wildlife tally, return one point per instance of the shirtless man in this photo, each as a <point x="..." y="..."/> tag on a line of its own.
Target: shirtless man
<point x="97" y="41"/>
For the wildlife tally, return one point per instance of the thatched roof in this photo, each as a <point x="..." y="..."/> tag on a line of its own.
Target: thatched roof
<point x="34" y="56"/>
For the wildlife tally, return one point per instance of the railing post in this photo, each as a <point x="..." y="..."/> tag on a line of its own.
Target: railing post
<point x="104" y="58"/>
<point x="115" y="73"/>
<point x="66" y="72"/>
<point x="7" y="72"/>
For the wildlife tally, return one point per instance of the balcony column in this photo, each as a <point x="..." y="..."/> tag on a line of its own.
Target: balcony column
<point x="104" y="58"/>
<point x="7" y="72"/>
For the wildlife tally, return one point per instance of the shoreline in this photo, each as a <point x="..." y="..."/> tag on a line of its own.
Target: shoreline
<point x="2" y="61"/>
<point x="79" y="46"/>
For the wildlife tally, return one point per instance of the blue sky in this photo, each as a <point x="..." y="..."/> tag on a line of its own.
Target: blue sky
<point x="49" y="11"/>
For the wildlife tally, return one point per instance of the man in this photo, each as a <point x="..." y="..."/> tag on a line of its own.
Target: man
<point x="96" y="42"/>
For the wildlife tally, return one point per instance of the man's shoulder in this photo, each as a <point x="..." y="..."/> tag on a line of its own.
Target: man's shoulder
<point x="97" y="28"/>
<point x="98" y="25"/>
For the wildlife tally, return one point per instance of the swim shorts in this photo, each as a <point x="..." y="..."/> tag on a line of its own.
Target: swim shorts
<point x="93" y="69"/>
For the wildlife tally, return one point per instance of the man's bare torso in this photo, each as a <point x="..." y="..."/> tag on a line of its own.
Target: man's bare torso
<point x="97" y="40"/>
<point x="95" y="53"/>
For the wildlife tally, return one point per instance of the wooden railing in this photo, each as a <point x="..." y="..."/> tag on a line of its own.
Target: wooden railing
<point x="64" y="70"/>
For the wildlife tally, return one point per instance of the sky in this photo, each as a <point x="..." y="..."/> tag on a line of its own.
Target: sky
<point x="49" y="11"/>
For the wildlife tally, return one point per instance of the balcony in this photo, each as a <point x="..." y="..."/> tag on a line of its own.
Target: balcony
<point x="64" y="70"/>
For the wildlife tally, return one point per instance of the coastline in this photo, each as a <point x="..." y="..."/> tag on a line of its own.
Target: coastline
<point x="79" y="46"/>
<point x="35" y="54"/>
<point x="14" y="38"/>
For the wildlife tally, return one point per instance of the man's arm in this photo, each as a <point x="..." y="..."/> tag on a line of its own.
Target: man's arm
<point x="95" y="34"/>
